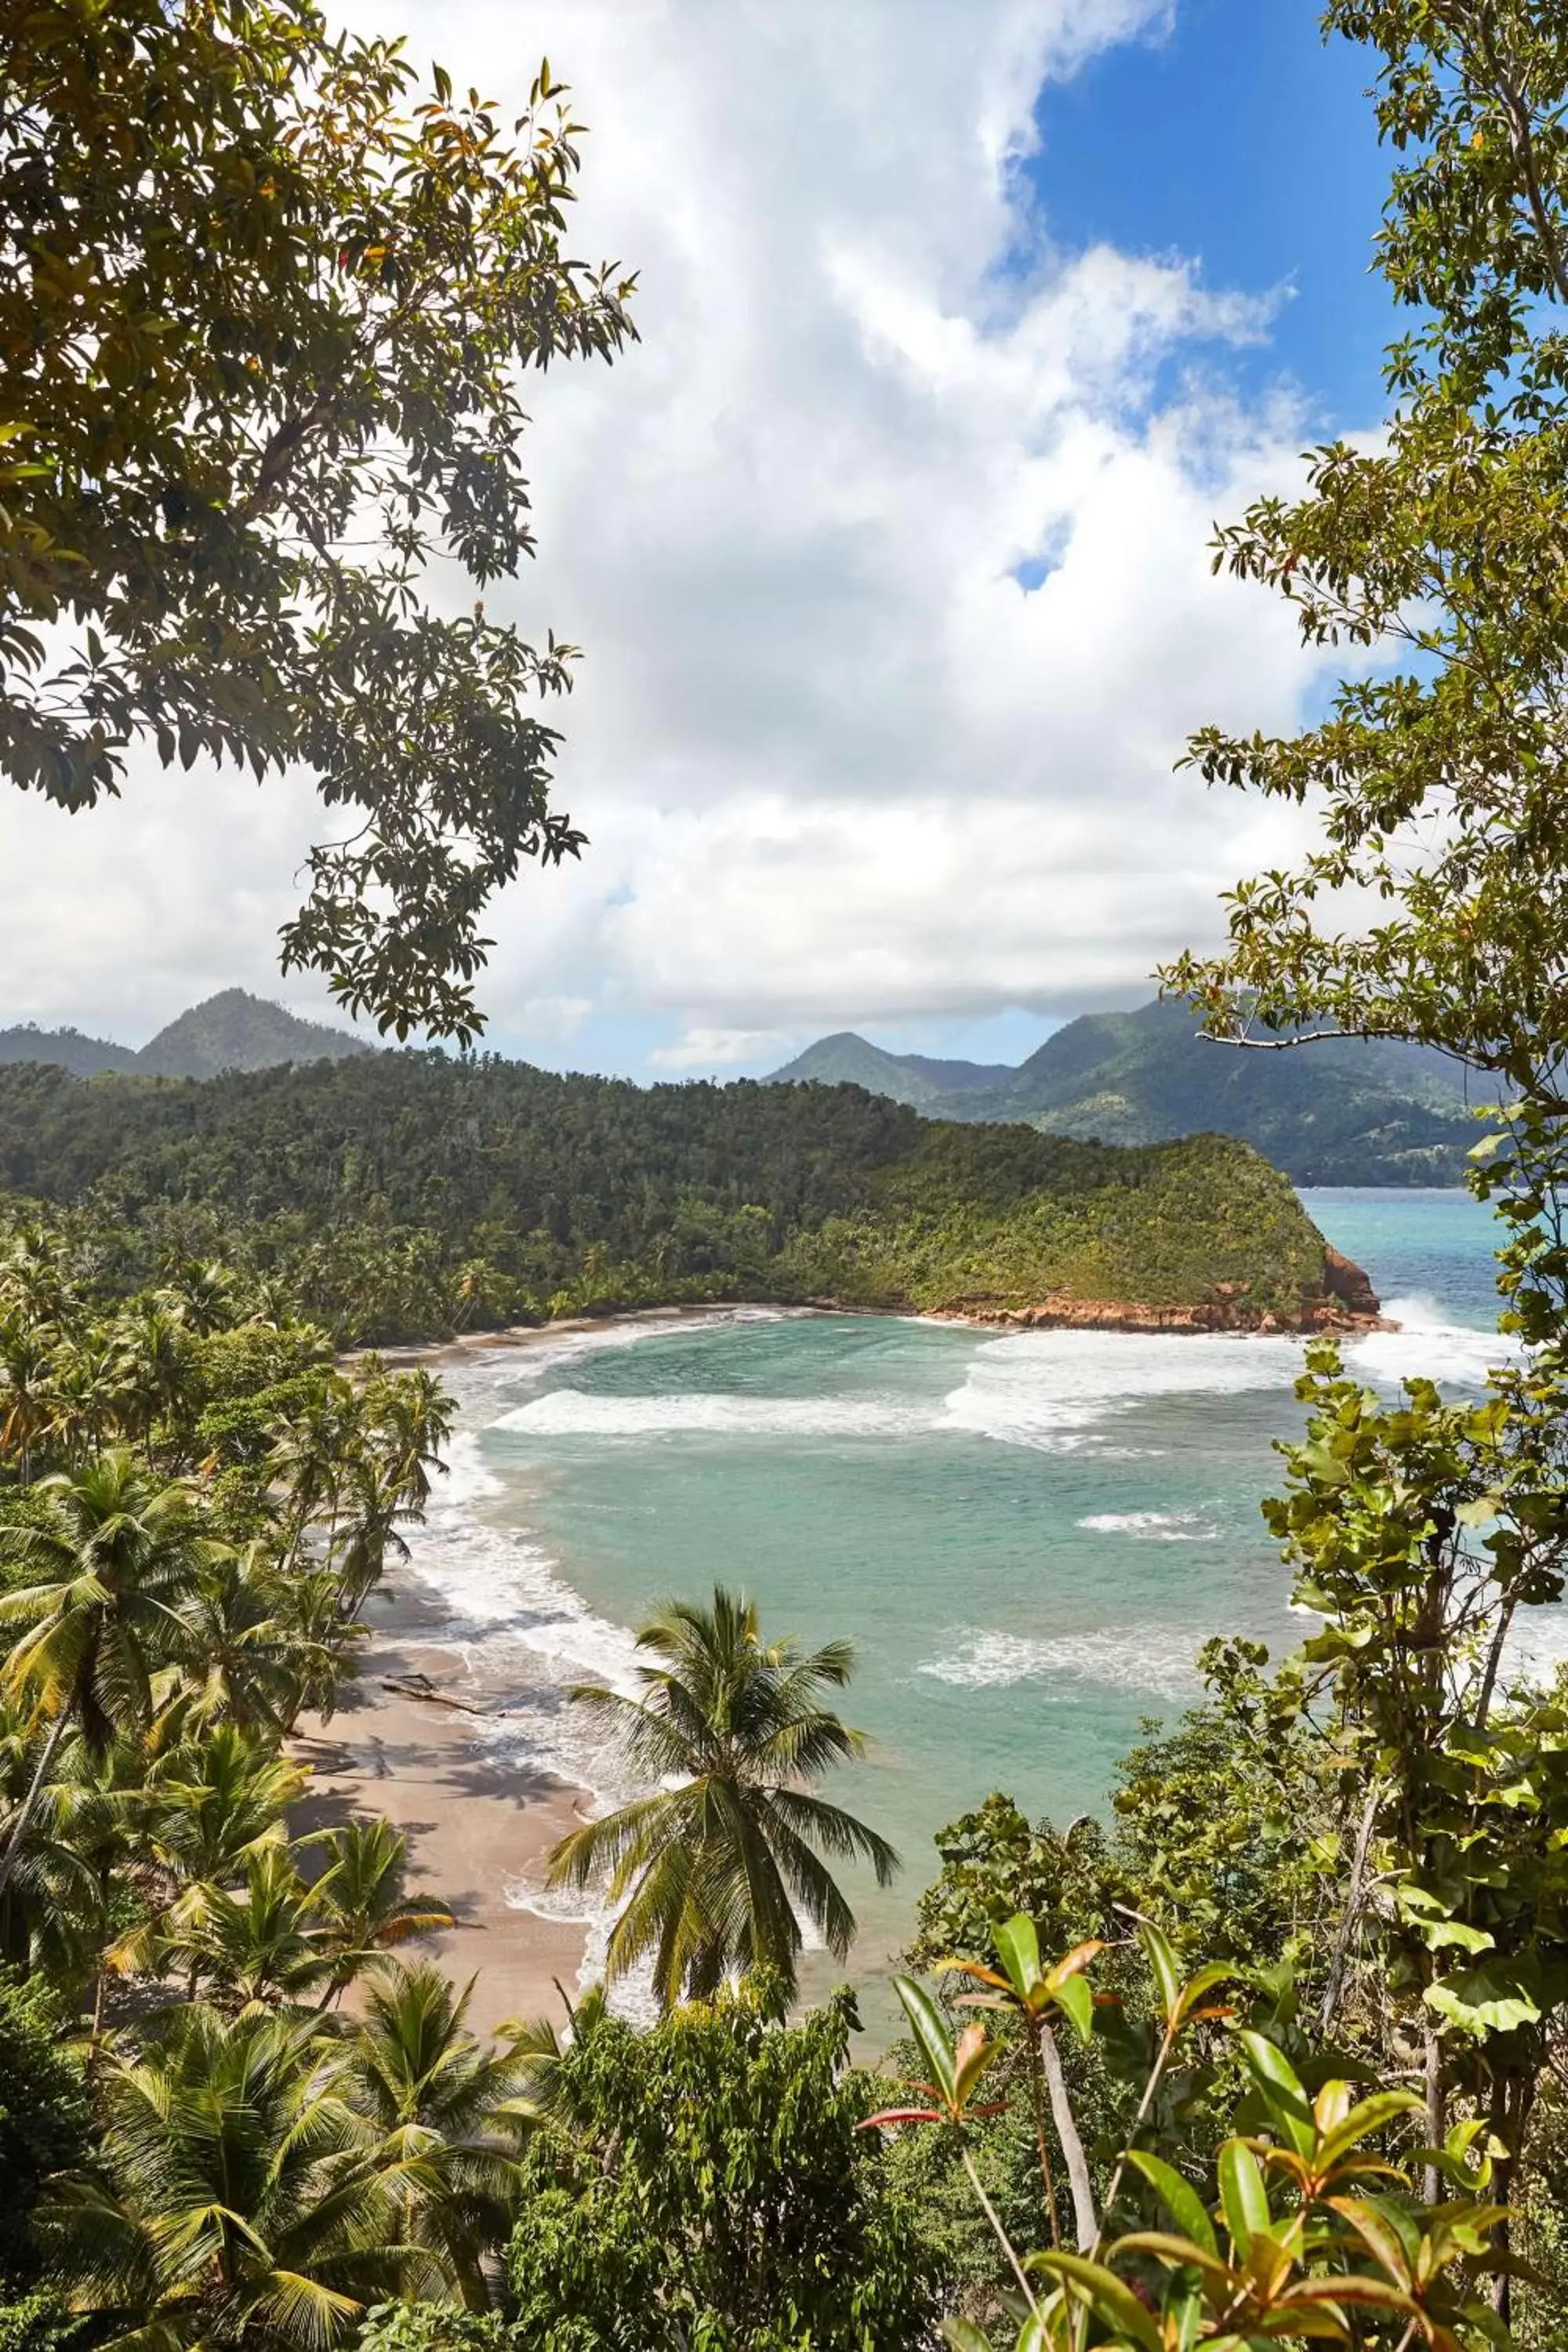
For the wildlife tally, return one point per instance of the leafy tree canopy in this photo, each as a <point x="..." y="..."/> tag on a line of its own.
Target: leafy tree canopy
<point x="262" y="331"/>
<point x="1439" y="773"/>
<point x="709" y="2186"/>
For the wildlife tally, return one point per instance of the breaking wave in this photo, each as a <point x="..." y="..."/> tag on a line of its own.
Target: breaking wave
<point x="1154" y="1658"/>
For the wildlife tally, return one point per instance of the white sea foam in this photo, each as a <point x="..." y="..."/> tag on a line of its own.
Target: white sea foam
<point x="1042" y="1387"/>
<point x="1427" y="1347"/>
<point x="1152" y="1658"/>
<point x="1152" y="1526"/>
<point x="581" y="1412"/>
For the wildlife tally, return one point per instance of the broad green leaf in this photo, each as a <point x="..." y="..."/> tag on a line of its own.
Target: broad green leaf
<point x="1110" y="2298"/>
<point x="1367" y="2116"/>
<point x="1281" y="2088"/>
<point x="1378" y="2231"/>
<point x="966" y="2336"/>
<point x="1017" y="1942"/>
<point x="928" y="2027"/>
<point x="1243" y="2197"/>
<point x="1076" y="2002"/>
<point x="1167" y="1975"/>
<point x="1214" y="1973"/>
<point x="1483" y="2001"/>
<point x="1178" y="2196"/>
<point x="1444" y="1935"/>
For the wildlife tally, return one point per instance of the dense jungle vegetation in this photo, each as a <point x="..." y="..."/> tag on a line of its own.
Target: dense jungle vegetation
<point x="1278" y="2056"/>
<point x="408" y="1195"/>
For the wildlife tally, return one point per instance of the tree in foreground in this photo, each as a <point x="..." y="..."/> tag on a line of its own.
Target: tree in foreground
<point x="237" y="2194"/>
<point x="710" y="2184"/>
<point x="113" y="1555"/>
<point x="714" y="1872"/>
<point x="450" y="2114"/>
<point x="263" y="325"/>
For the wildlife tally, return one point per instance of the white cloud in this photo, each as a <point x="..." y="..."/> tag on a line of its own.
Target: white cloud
<point x="702" y="1051"/>
<point x="836" y="765"/>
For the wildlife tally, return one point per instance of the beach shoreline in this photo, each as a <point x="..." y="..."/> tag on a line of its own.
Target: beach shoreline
<point x="404" y="1744"/>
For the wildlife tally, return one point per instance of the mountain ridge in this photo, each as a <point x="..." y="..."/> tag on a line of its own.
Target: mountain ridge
<point x="230" y="1031"/>
<point x="1344" y="1111"/>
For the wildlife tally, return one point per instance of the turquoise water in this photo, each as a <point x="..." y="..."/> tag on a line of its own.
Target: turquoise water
<point x="1027" y="1537"/>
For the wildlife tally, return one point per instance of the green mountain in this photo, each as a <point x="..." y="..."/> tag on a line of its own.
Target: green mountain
<point x="67" y="1049"/>
<point x="236" y="1030"/>
<point x="1346" y="1111"/>
<point x="231" y="1031"/>
<point x="408" y="1191"/>
<point x="845" y="1059"/>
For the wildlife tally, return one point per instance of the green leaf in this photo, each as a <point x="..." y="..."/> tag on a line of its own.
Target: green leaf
<point x="1017" y="1942"/>
<point x="1242" y="2195"/>
<point x="928" y="2027"/>
<point x="1108" y="2296"/>
<point x="1483" y="2001"/>
<point x="1375" y="2228"/>
<point x="1287" y="2101"/>
<point x="1075" y="2002"/>
<point x="966" y="2336"/>
<point x="1178" y="2196"/>
<point x="1167" y="1975"/>
<point x="1369" y="2116"/>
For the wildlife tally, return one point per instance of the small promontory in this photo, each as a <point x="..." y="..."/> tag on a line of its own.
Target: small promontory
<point x="412" y="1193"/>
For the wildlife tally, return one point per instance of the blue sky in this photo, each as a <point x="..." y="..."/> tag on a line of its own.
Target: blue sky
<point x="1239" y="136"/>
<point x="962" y="321"/>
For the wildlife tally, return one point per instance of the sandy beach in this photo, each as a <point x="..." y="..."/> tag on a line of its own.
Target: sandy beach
<point x="473" y="1825"/>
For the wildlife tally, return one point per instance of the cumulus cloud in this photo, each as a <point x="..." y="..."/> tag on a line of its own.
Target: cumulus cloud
<point x="887" y="548"/>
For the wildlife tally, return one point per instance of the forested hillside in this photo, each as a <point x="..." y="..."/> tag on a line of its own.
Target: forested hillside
<point x="410" y="1192"/>
<point x="1343" y="1111"/>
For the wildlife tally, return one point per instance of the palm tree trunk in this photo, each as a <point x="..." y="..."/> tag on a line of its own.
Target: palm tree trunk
<point x="19" y="1826"/>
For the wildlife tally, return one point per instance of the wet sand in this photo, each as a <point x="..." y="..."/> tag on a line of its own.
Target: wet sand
<point x="474" y="1825"/>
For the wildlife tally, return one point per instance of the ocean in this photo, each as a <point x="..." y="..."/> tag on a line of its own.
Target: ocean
<point x="1027" y="1537"/>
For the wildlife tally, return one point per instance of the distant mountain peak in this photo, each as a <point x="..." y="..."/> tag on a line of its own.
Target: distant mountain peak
<point x="846" y="1059"/>
<point x="1347" y="1111"/>
<point x="236" y="1030"/>
<point x="231" y="1031"/>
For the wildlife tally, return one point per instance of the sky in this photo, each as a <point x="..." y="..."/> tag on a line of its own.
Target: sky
<point x="962" y="321"/>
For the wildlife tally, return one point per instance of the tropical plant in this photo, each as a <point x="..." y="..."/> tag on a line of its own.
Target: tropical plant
<point x="448" y="2114"/>
<point x="1305" y="2231"/>
<point x="706" y="2183"/>
<point x="252" y="1944"/>
<point x="45" y="2120"/>
<point x="711" y="1872"/>
<point x="115" y="1556"/>
<point x="364" y="1908"/>
<point x="234" y="2197"/>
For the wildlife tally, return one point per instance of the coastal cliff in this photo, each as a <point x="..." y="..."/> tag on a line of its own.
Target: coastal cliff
<point x="1344" y="1301"/>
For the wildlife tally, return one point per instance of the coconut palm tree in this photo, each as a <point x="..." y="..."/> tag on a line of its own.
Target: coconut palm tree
<point x="240" y="2198"/>
<point x="114" y="1558"/>
<point x="246" y="1656"/>
<point x="27" y="1398"/>
<point x="714" y="1870"/>
<point x="254" y="1944"/>
<point x="363" y="1908"/>
<point x="448" y="2114"/>
<point x="412" y="1420"/>
<point x="216" y="1801"/>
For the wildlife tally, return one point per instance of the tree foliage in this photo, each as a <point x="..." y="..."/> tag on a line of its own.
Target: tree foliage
<point x="264" y="324"/>
<point x="1438" y="774"/>
<point x="708" y="2184"/>
<point x="715" y="1873"/>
